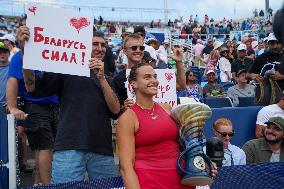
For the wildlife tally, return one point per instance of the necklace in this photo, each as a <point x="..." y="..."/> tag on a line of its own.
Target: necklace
<point x="150" y="112"/>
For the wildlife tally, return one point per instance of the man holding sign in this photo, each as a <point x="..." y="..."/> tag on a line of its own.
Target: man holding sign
<point x="84" y="137"/>
<point x="134" y="50"/>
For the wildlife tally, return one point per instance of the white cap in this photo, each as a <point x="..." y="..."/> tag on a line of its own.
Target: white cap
<point x="271" y="37"/>
<point x="9" y="37"/>
<point x="210" y="71"/>
<point x="151" y="39"/>
<point x="254" y="44"/>
<point x="242" y="47"/>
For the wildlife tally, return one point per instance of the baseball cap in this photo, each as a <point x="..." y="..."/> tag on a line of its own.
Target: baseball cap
<point x="4" y="47"/>
<point x="271" y="37"/>
<point x="242" y="47"/>
<point x="241" y="71"/>
<point x="278" y="121"/>
<point x="210" y="71"/>
<point x="151" y="39"/>
<point x="9" y="37"/>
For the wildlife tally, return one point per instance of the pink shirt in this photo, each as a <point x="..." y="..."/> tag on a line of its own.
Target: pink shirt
<point x="197" y="49"/>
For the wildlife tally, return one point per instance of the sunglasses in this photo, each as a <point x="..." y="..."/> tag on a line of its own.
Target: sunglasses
<point x="176" y="46"/>
<point x="223" y="134"/>
<point x="135" y="47"/>
<point x="190" y="75"/>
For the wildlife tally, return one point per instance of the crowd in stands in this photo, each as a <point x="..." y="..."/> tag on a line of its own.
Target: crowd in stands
<point x="78" y="139"/>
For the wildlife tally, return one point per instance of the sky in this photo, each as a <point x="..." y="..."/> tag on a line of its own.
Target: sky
<point x="218" y="9"/>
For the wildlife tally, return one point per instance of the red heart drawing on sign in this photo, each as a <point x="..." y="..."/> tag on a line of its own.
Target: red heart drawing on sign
<point x="79" y="23"/>
<point x="169" y="76"/>
<point x="32" y="9"/>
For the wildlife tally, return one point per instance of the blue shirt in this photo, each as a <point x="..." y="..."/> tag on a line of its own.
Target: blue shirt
<point x="15" y="71"/>
<point x="3" y="81"/>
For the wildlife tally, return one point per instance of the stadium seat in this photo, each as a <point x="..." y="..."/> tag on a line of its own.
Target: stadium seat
<point x="216" y="102"/>
<point x="227" y="85"/>
<point x="246" y="101"/>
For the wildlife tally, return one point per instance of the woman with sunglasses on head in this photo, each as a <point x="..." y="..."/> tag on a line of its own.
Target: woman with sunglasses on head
<point x="147" y="137"/>
<point x="224" y="65"/>
<point x="193" y="89"/>
<point x="223" y="129"/>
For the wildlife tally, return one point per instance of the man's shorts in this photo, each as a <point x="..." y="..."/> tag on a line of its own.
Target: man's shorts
<point x="40" y="125"/>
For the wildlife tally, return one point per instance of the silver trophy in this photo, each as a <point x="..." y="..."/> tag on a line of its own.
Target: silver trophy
<point x="191" y="119"/>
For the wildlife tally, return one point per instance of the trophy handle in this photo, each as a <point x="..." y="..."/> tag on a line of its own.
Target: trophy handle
<point x="205" y="157"/>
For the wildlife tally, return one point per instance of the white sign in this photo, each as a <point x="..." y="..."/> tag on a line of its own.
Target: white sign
<point x="166" y="89"/>
<point x="60" y="41"/>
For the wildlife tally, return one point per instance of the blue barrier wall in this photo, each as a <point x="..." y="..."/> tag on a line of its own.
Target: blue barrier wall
<point x="243" y="119"/>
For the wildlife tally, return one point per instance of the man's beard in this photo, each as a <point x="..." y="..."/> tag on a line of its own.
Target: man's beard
<point x="274" y="141"/>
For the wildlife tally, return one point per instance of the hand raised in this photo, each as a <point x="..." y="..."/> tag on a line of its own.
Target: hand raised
<point x="98" y="66"/>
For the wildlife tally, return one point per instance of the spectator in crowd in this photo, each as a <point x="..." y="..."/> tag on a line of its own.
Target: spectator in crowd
<point x="241" y="62"/>
<point x="261" y="32"/>
<point x="212" y="88"/>
<point x="197" y="51"/>
<point x="208" y="48"/>
<point x="121" y="62"/>
<point x="266" y="113"/>
<point x="260" y="48"/>
<point x="40" y="120"/>
<point x="166" y="45"/>
<point x="193" y="89"/>
<point x="232" y="54"/>
<point x="4" y="68"/>
<point x="214" y="57"/>
<point x="10" y="41"/>
<point x="273" y="56"/>
<point x="224" y="65"/>
<point x="196" y="19"/>
<point x="241" y="89"/>
<point x="134" y="50"/>
<point x="223" y="129"/>
<point x="161" y="56"/>
<point x="145" y="150"/>
<point x="251" y="55"/>
<point x="84" y="137"/>
<point x="140" y="30"/>
<point x="270" y="148"/>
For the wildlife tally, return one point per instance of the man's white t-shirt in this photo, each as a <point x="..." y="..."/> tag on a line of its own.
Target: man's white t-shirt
<point x="225" y="65"/>
<point x="267" y="112"/>
<point x="151" y="51"/>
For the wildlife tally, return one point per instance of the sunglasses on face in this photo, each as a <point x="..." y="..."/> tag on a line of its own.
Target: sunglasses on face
<point x="176" y="46"/>
<point x="190" y="75"/>
<point x="224" y="134"/>
<point x="135" y="47"/>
